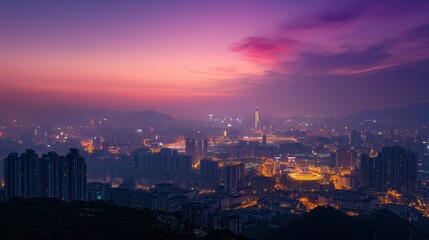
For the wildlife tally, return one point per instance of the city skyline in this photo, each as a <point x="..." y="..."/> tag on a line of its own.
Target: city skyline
<point x="189" y="59"/>
<point x="257" y="120"/>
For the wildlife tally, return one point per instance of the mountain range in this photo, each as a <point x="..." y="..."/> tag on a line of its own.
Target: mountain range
<point x="64" y="114"/>
<point x="414" y="114"/>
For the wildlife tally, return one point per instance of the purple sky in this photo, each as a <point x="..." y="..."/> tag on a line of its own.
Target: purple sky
<point x="191" y="58"/>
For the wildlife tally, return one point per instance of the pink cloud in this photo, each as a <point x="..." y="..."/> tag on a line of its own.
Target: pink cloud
<point x="263" y="50"/>
<point x="341" y="42"/>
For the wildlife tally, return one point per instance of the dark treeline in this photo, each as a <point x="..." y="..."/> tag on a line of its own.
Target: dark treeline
<point x="324" y="223"/>
<point x="47" y="219"/>
<point x="54" y="219"/>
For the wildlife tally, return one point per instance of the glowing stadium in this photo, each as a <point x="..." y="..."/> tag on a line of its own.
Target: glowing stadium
<point x="304" y="180"/>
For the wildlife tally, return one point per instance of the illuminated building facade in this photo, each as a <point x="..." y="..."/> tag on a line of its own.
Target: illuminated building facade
<point x="257" y="120"/>
<point x="304" y="180"/>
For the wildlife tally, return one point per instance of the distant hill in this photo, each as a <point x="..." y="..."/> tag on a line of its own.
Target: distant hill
<point x="150" y="117"/>
<point x="40" y="218"/>
<point x="414" y="114"/>
<point x="65" y="114"/>
<point x="51" y="219"/>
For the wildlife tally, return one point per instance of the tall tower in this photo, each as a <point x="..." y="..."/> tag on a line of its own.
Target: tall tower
<point x="256" y="117"/>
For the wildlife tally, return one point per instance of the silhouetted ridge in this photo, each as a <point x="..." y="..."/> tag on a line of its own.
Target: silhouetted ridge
<point x="151" y="116"/>
<point x="418" y="113"/>
<point x="327" y="223"/>
<point x="65" y="114"/>
<point x="48" y="219"/>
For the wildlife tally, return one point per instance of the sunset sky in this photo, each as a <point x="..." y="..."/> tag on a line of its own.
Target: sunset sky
<point x="190" y="58"/>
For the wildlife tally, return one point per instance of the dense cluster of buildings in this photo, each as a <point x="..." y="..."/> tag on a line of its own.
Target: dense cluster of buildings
<point x="50" y="176"/>
<point x="225" y="174"/>
<point x="394" y="168"/>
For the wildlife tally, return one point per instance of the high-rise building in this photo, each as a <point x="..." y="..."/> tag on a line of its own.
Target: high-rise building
<point x="13" y="176"/>
<point x="164" y="156"/>
<point x="232" y="174"/>
<point x="197" y="148"/>
<point x="402" y="170"/>
<point x="143" y="160"/>
<point x="367" y="170"/>
<point x="77" y="175"/>
<point x="179" y="164"/>
<point x="191" y="147"/>
<point x="264" y="140"/>
<point x="166" y="161"/>
<point x="409" y="180"/>
<point x="355" y="138"/>
<point x="257" y="120"/>
<point x="209" y="169"/>
<point x="209" y="173"/>
<point x="345" y="158"/>
<point x="50" y="176"/>
<point x="394" y="168"/>
<point x="381" y="173"/>
<point x="205" y="148"/>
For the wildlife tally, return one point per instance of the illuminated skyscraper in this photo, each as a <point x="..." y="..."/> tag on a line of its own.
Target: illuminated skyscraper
<point x="257" y="118"/>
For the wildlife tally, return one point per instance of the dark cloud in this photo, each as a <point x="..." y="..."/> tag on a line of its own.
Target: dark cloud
<point x="346" y="71"/>
<point x="342" y="95"/>
<point x="336" y="16"/>
<point x="419" y="32"/>
<point x="333" y="17"/>
<point x="323" y="63"/>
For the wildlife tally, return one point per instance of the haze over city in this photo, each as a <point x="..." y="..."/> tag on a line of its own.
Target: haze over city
<point x="191" y="58"/>
<point x="221" y="119"/>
